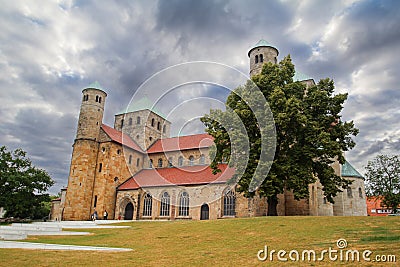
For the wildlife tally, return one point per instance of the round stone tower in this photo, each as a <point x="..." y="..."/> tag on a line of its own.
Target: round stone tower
<point x="261" y="53"/>
<point x="82" y="174"/>
<point x="91" y="114"/>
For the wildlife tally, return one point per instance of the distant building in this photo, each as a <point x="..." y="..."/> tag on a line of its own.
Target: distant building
<point x="376" y="208"/>
<point x="136" y="171"/>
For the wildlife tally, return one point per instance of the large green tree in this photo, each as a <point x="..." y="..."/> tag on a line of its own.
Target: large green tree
<point x="383" y="180"/>
<point x="310" y="134"/>
<point x="22" y="185"/>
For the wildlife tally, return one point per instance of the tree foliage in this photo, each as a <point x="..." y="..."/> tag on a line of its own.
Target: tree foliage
<point x="309" y="134"/>
<point x="22" y="185"/>
<point x="383" y="180"/>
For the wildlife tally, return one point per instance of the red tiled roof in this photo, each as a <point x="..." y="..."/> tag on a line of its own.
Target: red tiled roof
<point x="181" y="143"/>
<point x="120" y="138"/>
<point x="193" y="175"/>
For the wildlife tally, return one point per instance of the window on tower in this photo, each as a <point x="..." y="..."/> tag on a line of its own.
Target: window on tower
<point x="256" y="61"/>
<point x="138" y="120"/>
<point x="130" y="121"/>
<point x="122" y="123"/>
<point x="158" y="126"/>
<point x="160" y="163"/>
<point x="261" y="58"/>
<point x="97" y="98"/>
<point x="152" y="122"/>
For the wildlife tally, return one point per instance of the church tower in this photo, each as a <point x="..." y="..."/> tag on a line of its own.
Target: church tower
<point x="84" y="156"/>
<point x="261" y="53"/>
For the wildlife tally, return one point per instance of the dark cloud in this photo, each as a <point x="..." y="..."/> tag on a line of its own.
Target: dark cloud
<point x="50" y="52"/>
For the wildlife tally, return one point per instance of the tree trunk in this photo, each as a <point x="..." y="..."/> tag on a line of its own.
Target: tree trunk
<point x="272" y="203"/>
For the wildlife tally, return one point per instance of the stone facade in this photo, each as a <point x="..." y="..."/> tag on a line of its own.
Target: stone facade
<point x="105" y="158"/>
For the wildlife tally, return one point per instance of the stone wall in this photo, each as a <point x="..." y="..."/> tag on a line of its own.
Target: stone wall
<point x="270" y="54"/>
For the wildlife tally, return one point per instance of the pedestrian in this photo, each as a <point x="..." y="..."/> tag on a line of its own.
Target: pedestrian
<point x="95" y="216"/>
<point x="105" y="215"/>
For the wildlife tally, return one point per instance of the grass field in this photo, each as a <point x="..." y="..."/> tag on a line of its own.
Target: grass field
<point x="231" y="242"/>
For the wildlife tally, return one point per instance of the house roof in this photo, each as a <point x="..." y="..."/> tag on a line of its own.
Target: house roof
<point x="350" y="171"/>
<point x="190" y="175"/>
<point x="143" y="104"/>
<point x="261" y="43"/>
<point x="181" y="143"/>
<point x="299" y="76"/>
<point x="121" y="138"/>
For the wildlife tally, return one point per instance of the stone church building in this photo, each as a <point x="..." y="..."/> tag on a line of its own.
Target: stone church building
<point x="135" y="170"/>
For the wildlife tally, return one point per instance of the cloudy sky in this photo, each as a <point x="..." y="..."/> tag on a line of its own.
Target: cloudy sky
<point x="50" y="50"/>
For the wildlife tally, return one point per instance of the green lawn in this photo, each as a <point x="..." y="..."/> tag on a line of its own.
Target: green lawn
<point x="231" y="242"/>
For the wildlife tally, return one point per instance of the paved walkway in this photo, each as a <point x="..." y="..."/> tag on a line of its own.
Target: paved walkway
<point x="20" y="231"/>
<point x="29" y="245"/>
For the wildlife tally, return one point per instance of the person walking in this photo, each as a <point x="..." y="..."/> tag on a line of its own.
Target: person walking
<point x="105" y="215"/>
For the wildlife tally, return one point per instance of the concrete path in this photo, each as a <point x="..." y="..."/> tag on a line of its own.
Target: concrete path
<point x="29" y="245"/>
<point x="20" y="231"/>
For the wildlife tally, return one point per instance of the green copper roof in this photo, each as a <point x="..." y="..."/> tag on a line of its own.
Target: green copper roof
<point x="261" y="43"/>
<point x="95" y="85"/>
<point x="350" y="171"/>
<point x="298" y="76"/>
<point x="142" y="104"/>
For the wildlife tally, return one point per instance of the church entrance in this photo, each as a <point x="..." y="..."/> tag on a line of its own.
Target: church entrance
<point x="128" y="212"/>
<point x="204" y="213"/>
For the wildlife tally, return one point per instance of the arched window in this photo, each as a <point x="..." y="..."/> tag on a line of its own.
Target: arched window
<point x="164" y="129"/>
<point x="130" y="159"/>
<point x="150" y="163"/>
<point x="170" y="162"/>
<point x="130" y="121"/>
<point x="158" y="125"/>
<point x="97" y="98"/>
<point x="261" y="58"/>
<point x="152" y="122"/>
<point x="180" y="161"/>
<point x="360" y="194"/>
<point x="147" y="205"/>
<point x="229" y="203"/>
<point x="165" y="200"/>
<point x="202" y="159"/>
<point x="191" y="161"/>
<point x="183" y="204"/>
<point x="349" y="192"/>
<point x="122" y="123"/>
<point x="256" y="59"/>
<point x="160" y="163"/>
<point x="137" y="120"/>
<point x="100" y="167"/>
<point x="137" y="162"/>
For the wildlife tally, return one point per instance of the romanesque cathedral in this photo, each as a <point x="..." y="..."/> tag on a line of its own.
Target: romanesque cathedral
<point x="136" y="171"/>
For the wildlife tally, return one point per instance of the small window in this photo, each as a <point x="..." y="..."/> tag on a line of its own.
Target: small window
<point x="130" y="121"/>
<point x="103" y="149"/>
<point x="137" y="136"/>
<point x="130" y="159"/>
<point x="360" y="194"/>
<point x="122" y="123"/>
<point x="115" y="179"/>
<point x="256" y="61"/>
<point x="152" y="122"/>
<point x="137" y="162"/>
<point x="170" y="162"/>
<point x="147" y="205"/>
<point x="349" y="192"/>
<point x="150" y="163"/>
<point x="99" y="99"/>
<point x="202" y="159"/>
<point x="100" y="167"/>
<point x="95" y="202"/>
<point x="158" y="125"/>
<point x="118" y="151"/>
<point x="191" y="161"/>
<point x="151" y="138"/>
<point x="180" y="161"/>
<point x="160" y="163"/>
<point x="261" y="58"/>
<point x="164" y="129"/>
<point x="229" y="203"/>
<point x="165" y="200"/>
<point x="183" y="204"/>
<point x="137" y="120"/>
